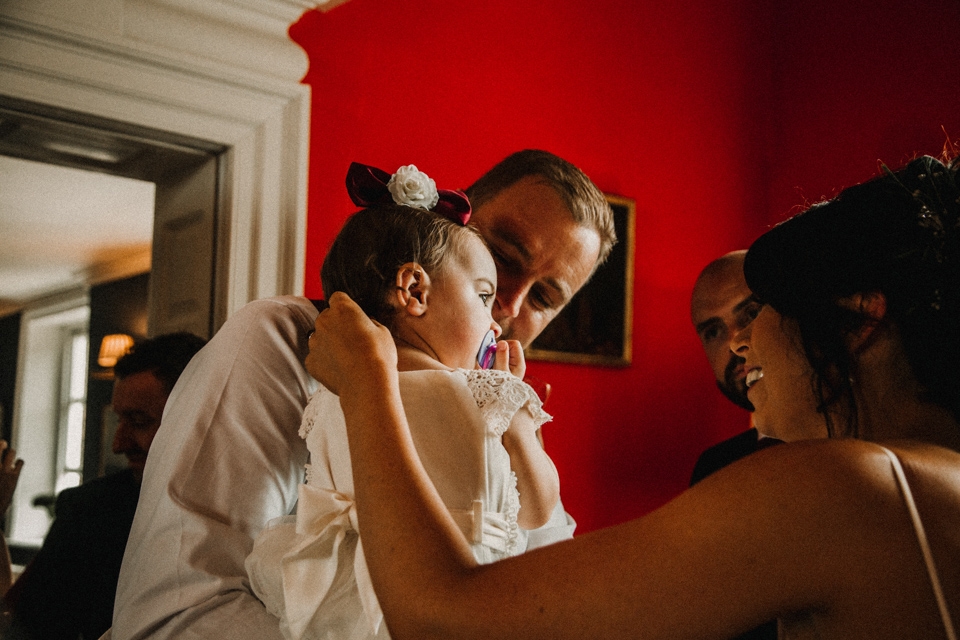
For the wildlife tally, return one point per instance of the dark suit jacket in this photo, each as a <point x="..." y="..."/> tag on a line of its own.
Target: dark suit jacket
<point x="717" y="457"/>
<point x="69" y="588"/>
<point x="720" y="455"/>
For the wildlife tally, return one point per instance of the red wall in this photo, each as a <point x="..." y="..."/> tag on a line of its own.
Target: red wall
<point x="717" y="117"/>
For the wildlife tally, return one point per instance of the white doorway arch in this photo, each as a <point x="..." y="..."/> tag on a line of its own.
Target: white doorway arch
<point x="224" y="71"/>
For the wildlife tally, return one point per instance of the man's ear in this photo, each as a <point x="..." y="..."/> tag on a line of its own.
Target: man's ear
<point x="413" y="287"/>
<point x="873" y="306"/>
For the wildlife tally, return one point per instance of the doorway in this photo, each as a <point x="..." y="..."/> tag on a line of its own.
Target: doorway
<point x="200" y="71"/>
<point x="182" y="257"/>
<point x="186" y="176"/>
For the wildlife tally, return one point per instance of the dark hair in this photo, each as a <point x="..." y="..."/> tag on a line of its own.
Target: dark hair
<point x="375" y="242"/>
<point x="587" y="206"/>
<point x="165" y="356"/>
<point x="897" y="235"/>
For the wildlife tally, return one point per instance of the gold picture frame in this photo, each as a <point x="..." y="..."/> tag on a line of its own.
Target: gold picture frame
<point x="596" y="327"/>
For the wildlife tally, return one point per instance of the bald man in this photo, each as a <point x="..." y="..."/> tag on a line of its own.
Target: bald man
<point x="720" y="306"/>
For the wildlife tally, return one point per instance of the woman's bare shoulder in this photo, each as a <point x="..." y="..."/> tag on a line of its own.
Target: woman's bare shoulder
<point x="843" y="492"/>
<point x="840" y="492"/>
<point x="793" y="466"/>
<point x="853" y="463"/>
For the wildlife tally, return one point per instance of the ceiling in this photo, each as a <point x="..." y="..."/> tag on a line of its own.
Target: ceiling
<point x="63" y="227"/>
<point x="76" y="200"/>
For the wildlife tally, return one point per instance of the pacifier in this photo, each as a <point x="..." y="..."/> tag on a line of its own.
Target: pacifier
<point x="488" y="350"/>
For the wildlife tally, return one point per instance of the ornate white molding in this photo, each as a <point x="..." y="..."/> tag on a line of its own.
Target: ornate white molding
<point x="222" y="71"/>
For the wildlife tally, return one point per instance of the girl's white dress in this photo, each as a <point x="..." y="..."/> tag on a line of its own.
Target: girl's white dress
<point x="308" y="569"/>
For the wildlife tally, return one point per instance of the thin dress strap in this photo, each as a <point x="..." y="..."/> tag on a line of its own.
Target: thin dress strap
<point x="924" y="544"/>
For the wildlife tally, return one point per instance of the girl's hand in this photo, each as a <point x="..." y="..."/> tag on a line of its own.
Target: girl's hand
<point x="510" y="358"/>
<point x="348" y="350"/>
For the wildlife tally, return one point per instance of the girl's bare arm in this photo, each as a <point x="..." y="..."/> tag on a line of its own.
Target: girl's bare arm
<point x="537" y="479"/>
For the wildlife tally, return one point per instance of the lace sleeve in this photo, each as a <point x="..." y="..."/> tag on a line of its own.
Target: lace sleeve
<point x="499" y="395"/>
<point x="311" y="416"/>
<point x="310" y="413"/>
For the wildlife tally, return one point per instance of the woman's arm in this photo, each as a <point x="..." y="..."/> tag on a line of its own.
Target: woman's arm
<point x="426" y="578"/>
<point x="752" y="542"/>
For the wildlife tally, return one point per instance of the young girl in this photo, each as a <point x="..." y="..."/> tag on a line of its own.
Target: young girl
<point x="414" y="266"/>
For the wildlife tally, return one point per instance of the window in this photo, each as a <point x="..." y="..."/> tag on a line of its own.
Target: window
<point x="73" y="399"/>
<point x="49" y="411"/>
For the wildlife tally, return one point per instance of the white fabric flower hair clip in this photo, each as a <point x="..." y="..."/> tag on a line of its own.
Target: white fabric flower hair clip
<point x="368" y="186"/>
<point x="411" y="187"/>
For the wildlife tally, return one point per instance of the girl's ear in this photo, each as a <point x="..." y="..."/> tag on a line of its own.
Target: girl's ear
<point x="873" y="306"/>
<point x="413" y="286"/>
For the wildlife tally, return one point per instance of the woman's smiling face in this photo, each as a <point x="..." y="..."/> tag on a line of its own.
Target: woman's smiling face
<point x="779" y="378"/>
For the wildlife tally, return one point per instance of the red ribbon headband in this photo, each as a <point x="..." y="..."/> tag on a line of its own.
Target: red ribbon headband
<point x="367" y="187"/>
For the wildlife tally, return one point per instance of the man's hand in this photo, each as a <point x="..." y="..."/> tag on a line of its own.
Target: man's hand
<point x="10" y="467"/>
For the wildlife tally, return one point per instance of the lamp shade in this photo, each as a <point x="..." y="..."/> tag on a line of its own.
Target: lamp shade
<point x="112" y="348"/>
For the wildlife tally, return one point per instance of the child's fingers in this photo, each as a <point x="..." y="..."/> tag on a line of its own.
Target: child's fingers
<point x="518" y="362"/>
<point x="501" y="359"/>
<point x="510" y="358"/>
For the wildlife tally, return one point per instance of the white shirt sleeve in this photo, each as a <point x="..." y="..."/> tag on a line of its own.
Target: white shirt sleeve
<point x="226" y="460"/>
<point x="560" y="526"/>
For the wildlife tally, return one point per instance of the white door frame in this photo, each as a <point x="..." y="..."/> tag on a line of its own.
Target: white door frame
<point x="223" y="71"/>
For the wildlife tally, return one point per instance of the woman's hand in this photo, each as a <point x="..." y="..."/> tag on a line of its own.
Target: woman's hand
<point x="510" y="358"/>
<point x="348" y="350"/>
